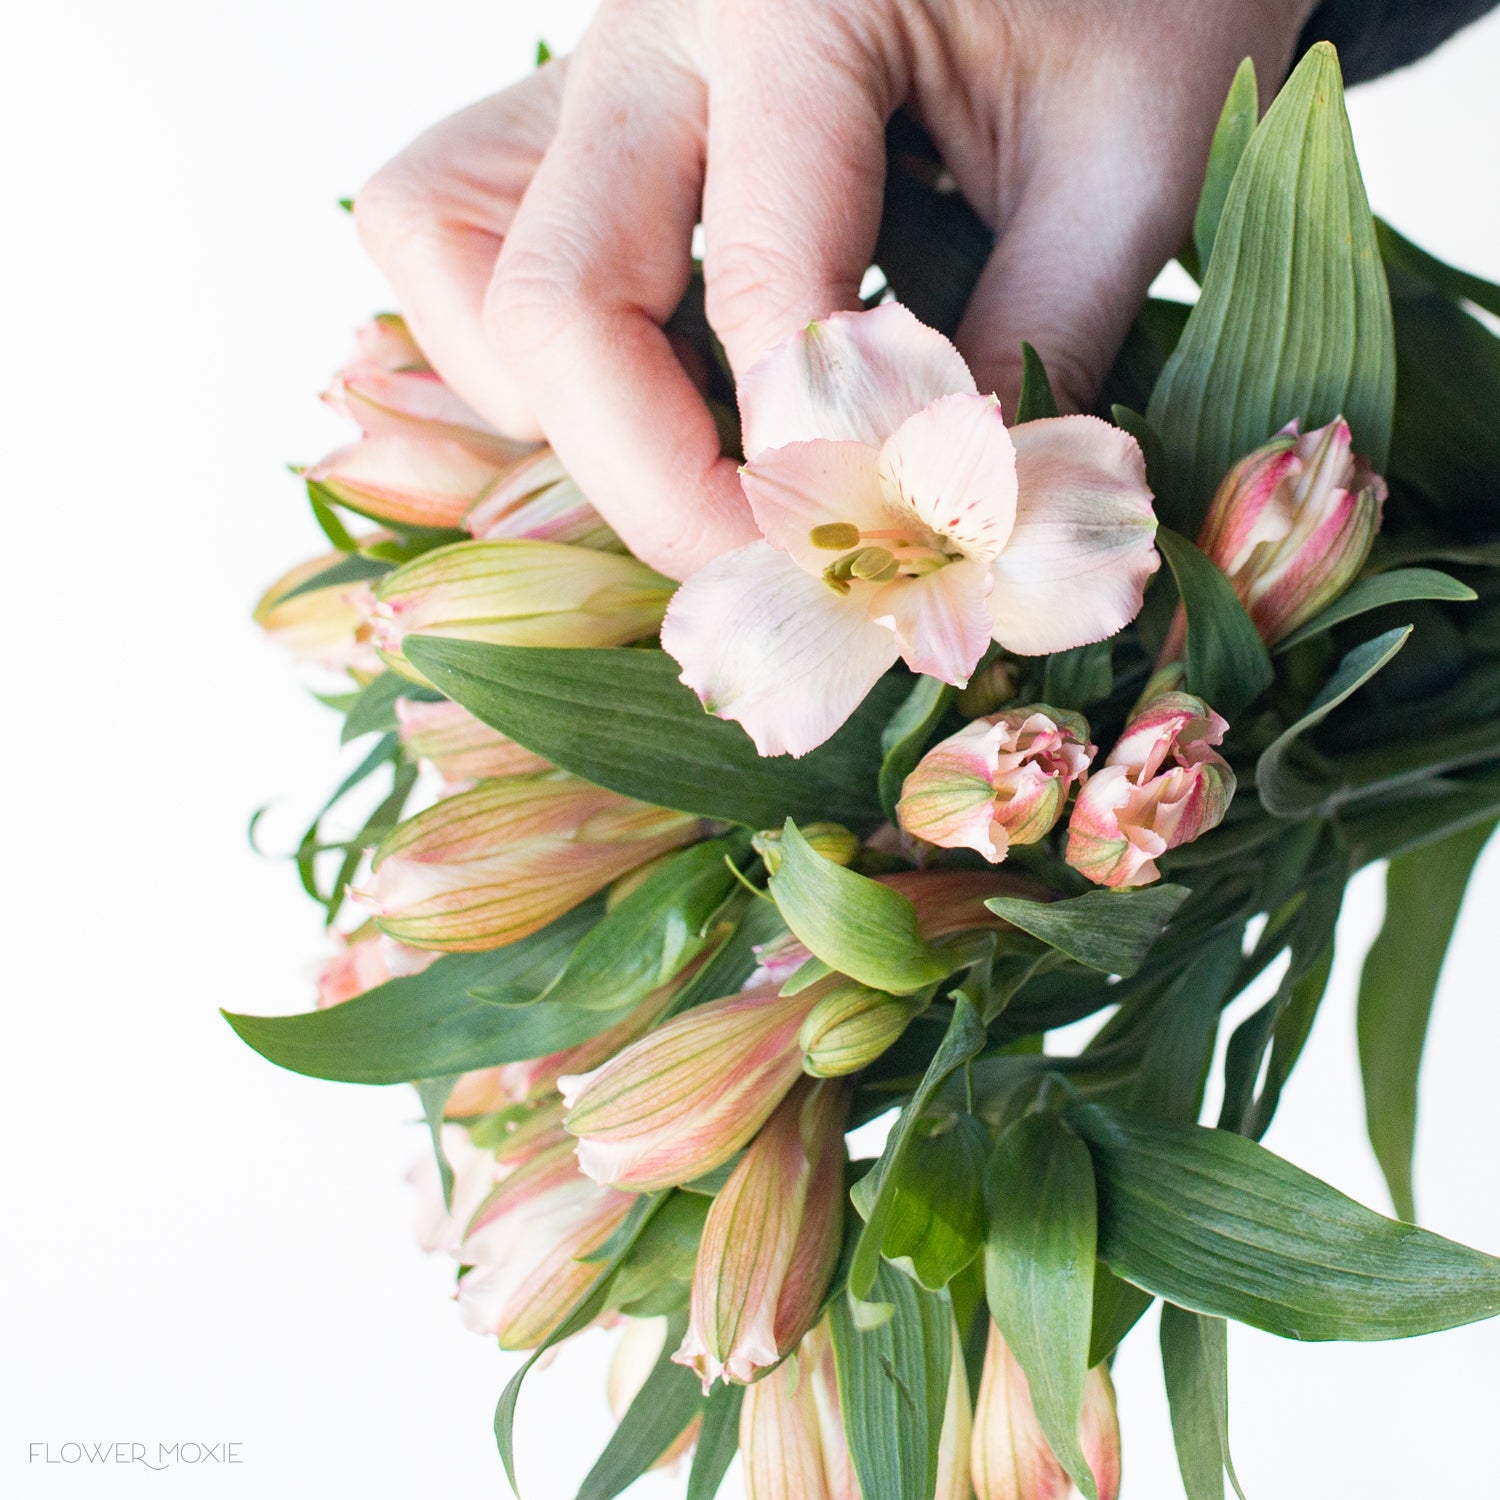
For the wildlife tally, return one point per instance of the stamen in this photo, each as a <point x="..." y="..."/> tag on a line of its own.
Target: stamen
<point x="874" y="565"/>
<point x="835" y="536"/>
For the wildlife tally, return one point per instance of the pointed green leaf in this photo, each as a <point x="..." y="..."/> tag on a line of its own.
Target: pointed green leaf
<point x="1395" y="587"/>
<point x="1195" y="1362"/>
<point x="893" y="1384"/>
<point x="936" y="1221"/>
<point x="1217" y="1224"/>
<point x="1463" y="286"/>
<point x="620" y="718"/>
<point x="345" y="571"/>
<point x="1227" y="663"/>
<point x="718" y="1442"/>
<point x="1284" y="791"/>
<point x="1118" y="1307"/>
<point x="854" y="924"/>
<point x="1036" y="399"/>
<point x="1039" y="1272"/>
<point x="1294" y="319"/>
<point x="903" y="740"/>
<point x="434" y="1093"/>
<point x="1237" y="122"/>
<point x="1424" y="891"/>
<point x="1111" y="931"/>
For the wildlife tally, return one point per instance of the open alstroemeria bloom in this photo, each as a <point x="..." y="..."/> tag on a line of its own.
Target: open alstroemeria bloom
<point x="902" y="519"/>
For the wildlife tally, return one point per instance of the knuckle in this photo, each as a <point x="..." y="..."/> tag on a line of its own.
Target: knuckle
<point x="393" y="207"/>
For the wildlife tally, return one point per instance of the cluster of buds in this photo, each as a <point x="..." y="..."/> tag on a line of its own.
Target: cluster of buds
<point x="1001" y="780"/>
<point x="493" y="864"/>
<point x="1163" y="785"/>
<point x="1291" y="526"/>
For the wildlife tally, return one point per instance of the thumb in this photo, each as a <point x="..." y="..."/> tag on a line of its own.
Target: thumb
<point x="1070" y="271"/>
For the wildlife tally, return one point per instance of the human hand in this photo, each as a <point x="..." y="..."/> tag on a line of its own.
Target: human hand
<point x="537" y="240"/>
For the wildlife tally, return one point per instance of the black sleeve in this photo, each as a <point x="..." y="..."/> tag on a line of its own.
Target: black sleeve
<point x="1378" y="36"/>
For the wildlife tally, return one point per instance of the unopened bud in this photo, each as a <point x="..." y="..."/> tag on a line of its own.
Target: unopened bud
<point x="831" y="840"/>
<point x="850" y="1027"/>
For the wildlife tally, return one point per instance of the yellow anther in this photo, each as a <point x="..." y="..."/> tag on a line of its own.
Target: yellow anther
<point x="836" y="536"/>
<point x="874" y="565"/>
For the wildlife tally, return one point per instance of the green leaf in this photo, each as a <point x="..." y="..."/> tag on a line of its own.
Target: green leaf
<point x="1227" y="662"/>
<point x="1039" y="1272"/>
<point x="1286" y="792"/>
<point x="1424" y="891"/>
<point x="1036" y="399"/>
<point x="1237" y="122"/>
<point x="345" y="571"/>
<point x="1284" y="1021"/>
<point x="856" y="925"/>
<point x="1395" y="587"/>
<point x="1382" y="832"/>
<point x="718" y="1442"/>
<point x="936" y="1221"/>
<point x="428" y="1025"/>
<point x="903" y="740"/>
<point x="1111" y="931"/>
<point x="374" y="711"/>
<point x="660" y="1413"/>
<point x="1294" y="319"/>
<point x="1118" y="1307"/>
<point x="434" y="1094"/>
<point x="620" y="718"/>
<point x="543" y="52"/>
<point x="652" y="934"/>
<point x="1463" y="286"/>
<point x="893" y="1385"/>
<point x="874" y="1194"/>
<point x="327" y="517"/>
<point x="1080" y="677"/>
<point x="585" y="1310"/>
<point x="1218" y="1225"/>
<point x="1195" y="1362"/>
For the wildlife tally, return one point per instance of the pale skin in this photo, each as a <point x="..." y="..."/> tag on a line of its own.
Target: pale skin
<point x="537" y="240"/>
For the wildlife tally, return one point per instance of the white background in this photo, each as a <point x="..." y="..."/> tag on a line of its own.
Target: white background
<point x="197" y="1246"/>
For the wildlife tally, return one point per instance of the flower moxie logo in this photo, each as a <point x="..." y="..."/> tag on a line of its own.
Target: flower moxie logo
<point x="122" y="1454"/>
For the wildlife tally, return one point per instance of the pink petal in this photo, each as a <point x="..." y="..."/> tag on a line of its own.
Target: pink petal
<point x="803" y="485"/>
<point x="854" y="376"/>
<point x="941" y="620"/>
<point x="762" y="642"/>
<point x="1076" y="566"/>
<point x="954" y="464"/>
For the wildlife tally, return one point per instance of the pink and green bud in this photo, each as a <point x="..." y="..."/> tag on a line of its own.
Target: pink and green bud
<point x="518" y="594"/>
<point x="1011" y="1459"/>
<point x="850" y="1027"/>
<point x="831" y="840"/>
<point x="459" y="747"/>
<point x="1163" y="785"/>
<point x="494" y="864"/>
<point x="367" y="958"/>
<point x="475" y="1173"/>
<point x="635" y="1356"/>
<point x="525" y="1247"/>
<point x="950" y="901"/>
<point x="1292" y="525"/>
<point x="406" y="480"/>
<point x="1002" y="780"/>
<point x="539" y="499"/>
<point x="687" y="1096"/>
<point x="771" y="1240"/>
<point x="792" y="1430"/>
<point x="327" y="627"/>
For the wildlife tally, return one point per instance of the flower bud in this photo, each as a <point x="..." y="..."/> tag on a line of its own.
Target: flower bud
<point x="327" y="627"/>
<point x="475" y="1172"/>
<point x="406" y="480"/>
<point x="999" y="781"/>
<point x="850" y="1027"/>
<point x="367" y="958"/>
<point x="525" y="1244"/>
<point x="494" y="864"/>
<point x="953" y="900"/>
<point x="459" y="747"/>
<point x="1292" y="525"/>
<point x="518" y="594"/>
<point x="770" y="1241"/>
<point x="1132" y="810"/>
<point x="630" y="1367"/>
<point x="1011" y="1458"/>
<point x="831" y="840"/>
<point x="687" y="1096"/>
<point x="539" y="499"/>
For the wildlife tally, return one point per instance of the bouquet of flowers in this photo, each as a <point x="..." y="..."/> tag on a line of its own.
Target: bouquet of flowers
<point x="674" y="887"/>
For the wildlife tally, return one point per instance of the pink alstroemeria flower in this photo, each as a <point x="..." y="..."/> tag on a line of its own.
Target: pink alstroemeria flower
<point x="902" y="519"/>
